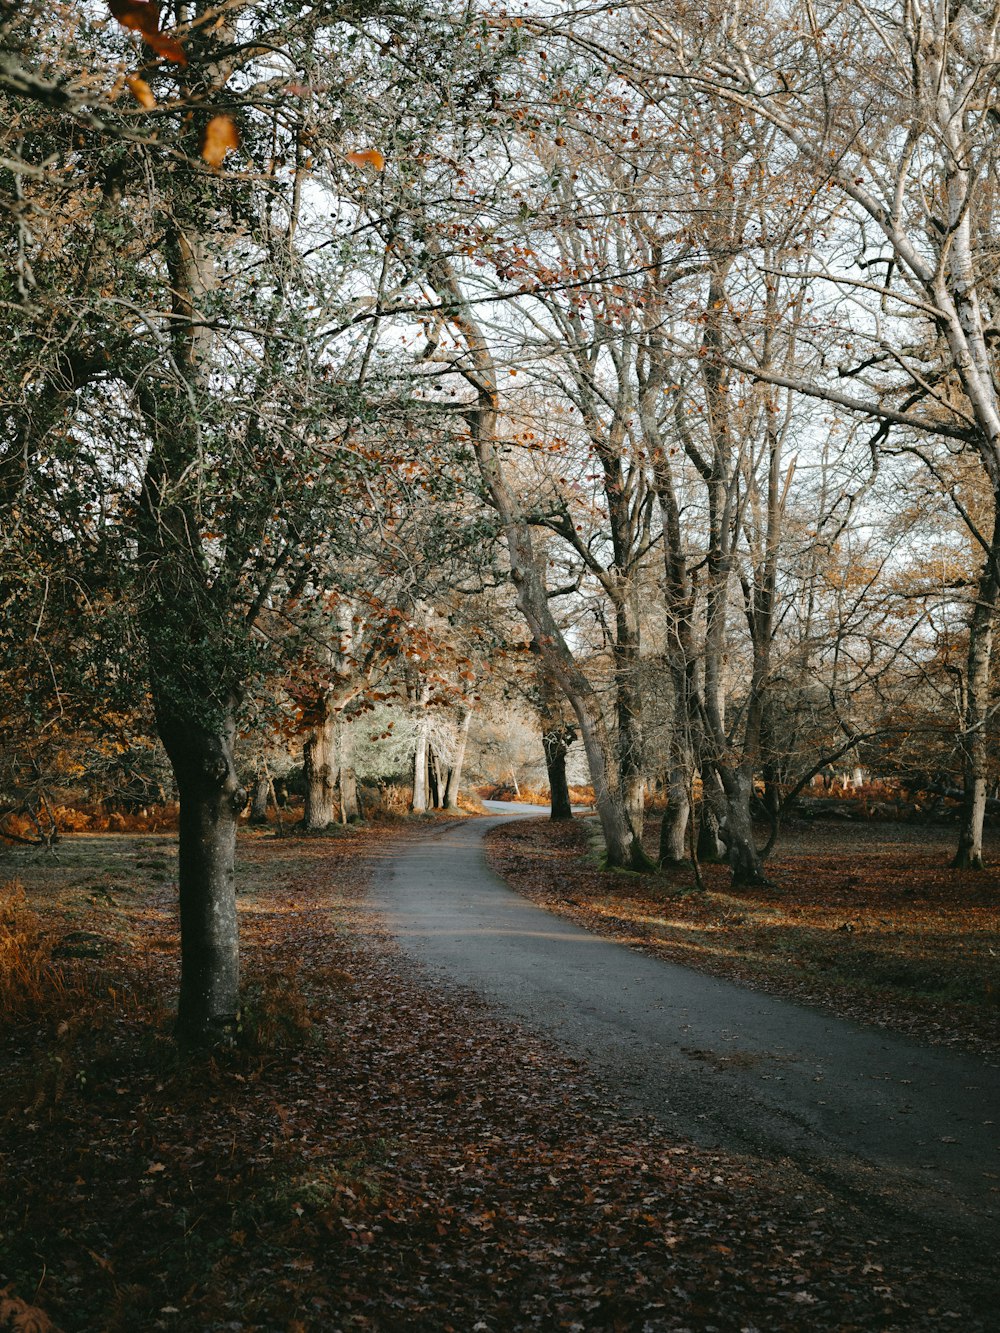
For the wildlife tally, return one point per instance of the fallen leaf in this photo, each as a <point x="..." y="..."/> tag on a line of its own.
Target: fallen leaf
<point x="371" y="157"/>
<point x="220" y="135"/>
<point x="140" y="90"/>
<point x="154" y="1168"/>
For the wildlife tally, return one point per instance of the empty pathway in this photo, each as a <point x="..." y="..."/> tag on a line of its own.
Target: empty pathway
<point x="879" y="1117"/>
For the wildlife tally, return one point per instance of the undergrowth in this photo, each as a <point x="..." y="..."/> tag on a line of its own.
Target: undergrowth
<point x="30" y="981"/>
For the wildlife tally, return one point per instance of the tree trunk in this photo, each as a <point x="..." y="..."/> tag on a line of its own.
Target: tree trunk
<point x="969" y="855"/>
<point x="419" y="802"/>
<point x="737" y="829"/>
<point x="556" y="743"/>
<point x="319" y="772"/>
<point x="711" y="817"/>
<point x="673" y="829"/>
<point x="454" y="782"/>
<point x="350" y="809"/>
<point x="211" y="798"/>
<point x="258" y="798"/>
<point x="628" y="711"/>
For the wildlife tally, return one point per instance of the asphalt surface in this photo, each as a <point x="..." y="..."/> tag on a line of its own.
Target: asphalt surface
<point x="908" y="1128"/>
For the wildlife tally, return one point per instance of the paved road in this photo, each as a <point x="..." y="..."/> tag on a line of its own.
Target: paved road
<point x="881" y="1118"/>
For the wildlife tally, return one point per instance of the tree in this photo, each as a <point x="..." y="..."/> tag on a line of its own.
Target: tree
<point x="912" y="155"/>
<point x="192" y="314"/>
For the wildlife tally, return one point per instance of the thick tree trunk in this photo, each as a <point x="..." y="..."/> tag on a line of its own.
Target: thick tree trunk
<point x="969" y="855"/>
<point x="320" y="775"/>
<point x="737" y="829"/>
<point x="259" y="794"/>
<point x="710" y="845"/>
<point x="628" y="712"/>
<point x="347" y="782"/>
<point x="454" y="783"/>
<point x="711" y="816"/>
<point x="211" y="798"/>
<point x="674" y="828"/>
<point x="622" y="847"/>
<point x="419" y="802"/>
<point x="556" y="743"/>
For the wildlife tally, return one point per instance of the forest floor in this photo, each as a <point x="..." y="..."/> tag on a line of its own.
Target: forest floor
<point x="371" y="1153"/>
<point x="865" y="920"/>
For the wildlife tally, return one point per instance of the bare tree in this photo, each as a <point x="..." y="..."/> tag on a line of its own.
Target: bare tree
<point x="905" y="133"/>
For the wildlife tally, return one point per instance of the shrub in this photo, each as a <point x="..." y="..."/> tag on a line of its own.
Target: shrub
<point x="385" y="800"/>
<point x="29" y="980"/>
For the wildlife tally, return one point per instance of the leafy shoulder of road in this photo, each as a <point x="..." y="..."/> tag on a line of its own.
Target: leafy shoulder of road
<point x="373" y="1153"/>
<point x="867" y="922"/>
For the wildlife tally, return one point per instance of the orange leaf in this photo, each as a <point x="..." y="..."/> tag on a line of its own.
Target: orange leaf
<point x="370" y="158"/>
<point x="140" y="90"/>
<point x="167" y="47"/>
<point x="139" y="15"/>
<point x="143" y="16"/>
<point x="220" y="135"/>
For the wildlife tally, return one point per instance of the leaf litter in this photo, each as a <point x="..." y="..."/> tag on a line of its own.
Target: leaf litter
<point x="375" y="1153"/>
<point x="867" y="922"/>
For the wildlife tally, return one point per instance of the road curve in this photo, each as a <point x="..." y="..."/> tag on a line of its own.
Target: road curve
<point x="880" y="1117"/>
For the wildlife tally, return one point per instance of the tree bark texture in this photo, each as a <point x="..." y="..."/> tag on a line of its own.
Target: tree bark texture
<point x="211" y="799"/>
<point x="454" y="781"/>
<point x="259" y="794"/>
<point x="420" y="767"/>
<point x="628" y="710"/>
<point x="320" y="773"/>
<point x="674" y="828"/>
<point x="558" y="734"/>
<point x="982" y="627"/>
<point x="710" y="817"/>
<point x="556" y="742"/>
<point x="347" y="782"/>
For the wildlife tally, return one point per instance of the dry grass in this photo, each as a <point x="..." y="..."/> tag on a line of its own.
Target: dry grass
<point x="29" y="980"/>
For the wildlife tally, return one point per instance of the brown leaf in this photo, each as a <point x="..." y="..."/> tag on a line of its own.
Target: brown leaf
<point x="371" y="157"/>
<point x="140" y="90"/>
<point x="139" y="15"/>
<point x="167" y="47"/>
<point x="143" y="16"/>
<point x="219" y="137"/>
